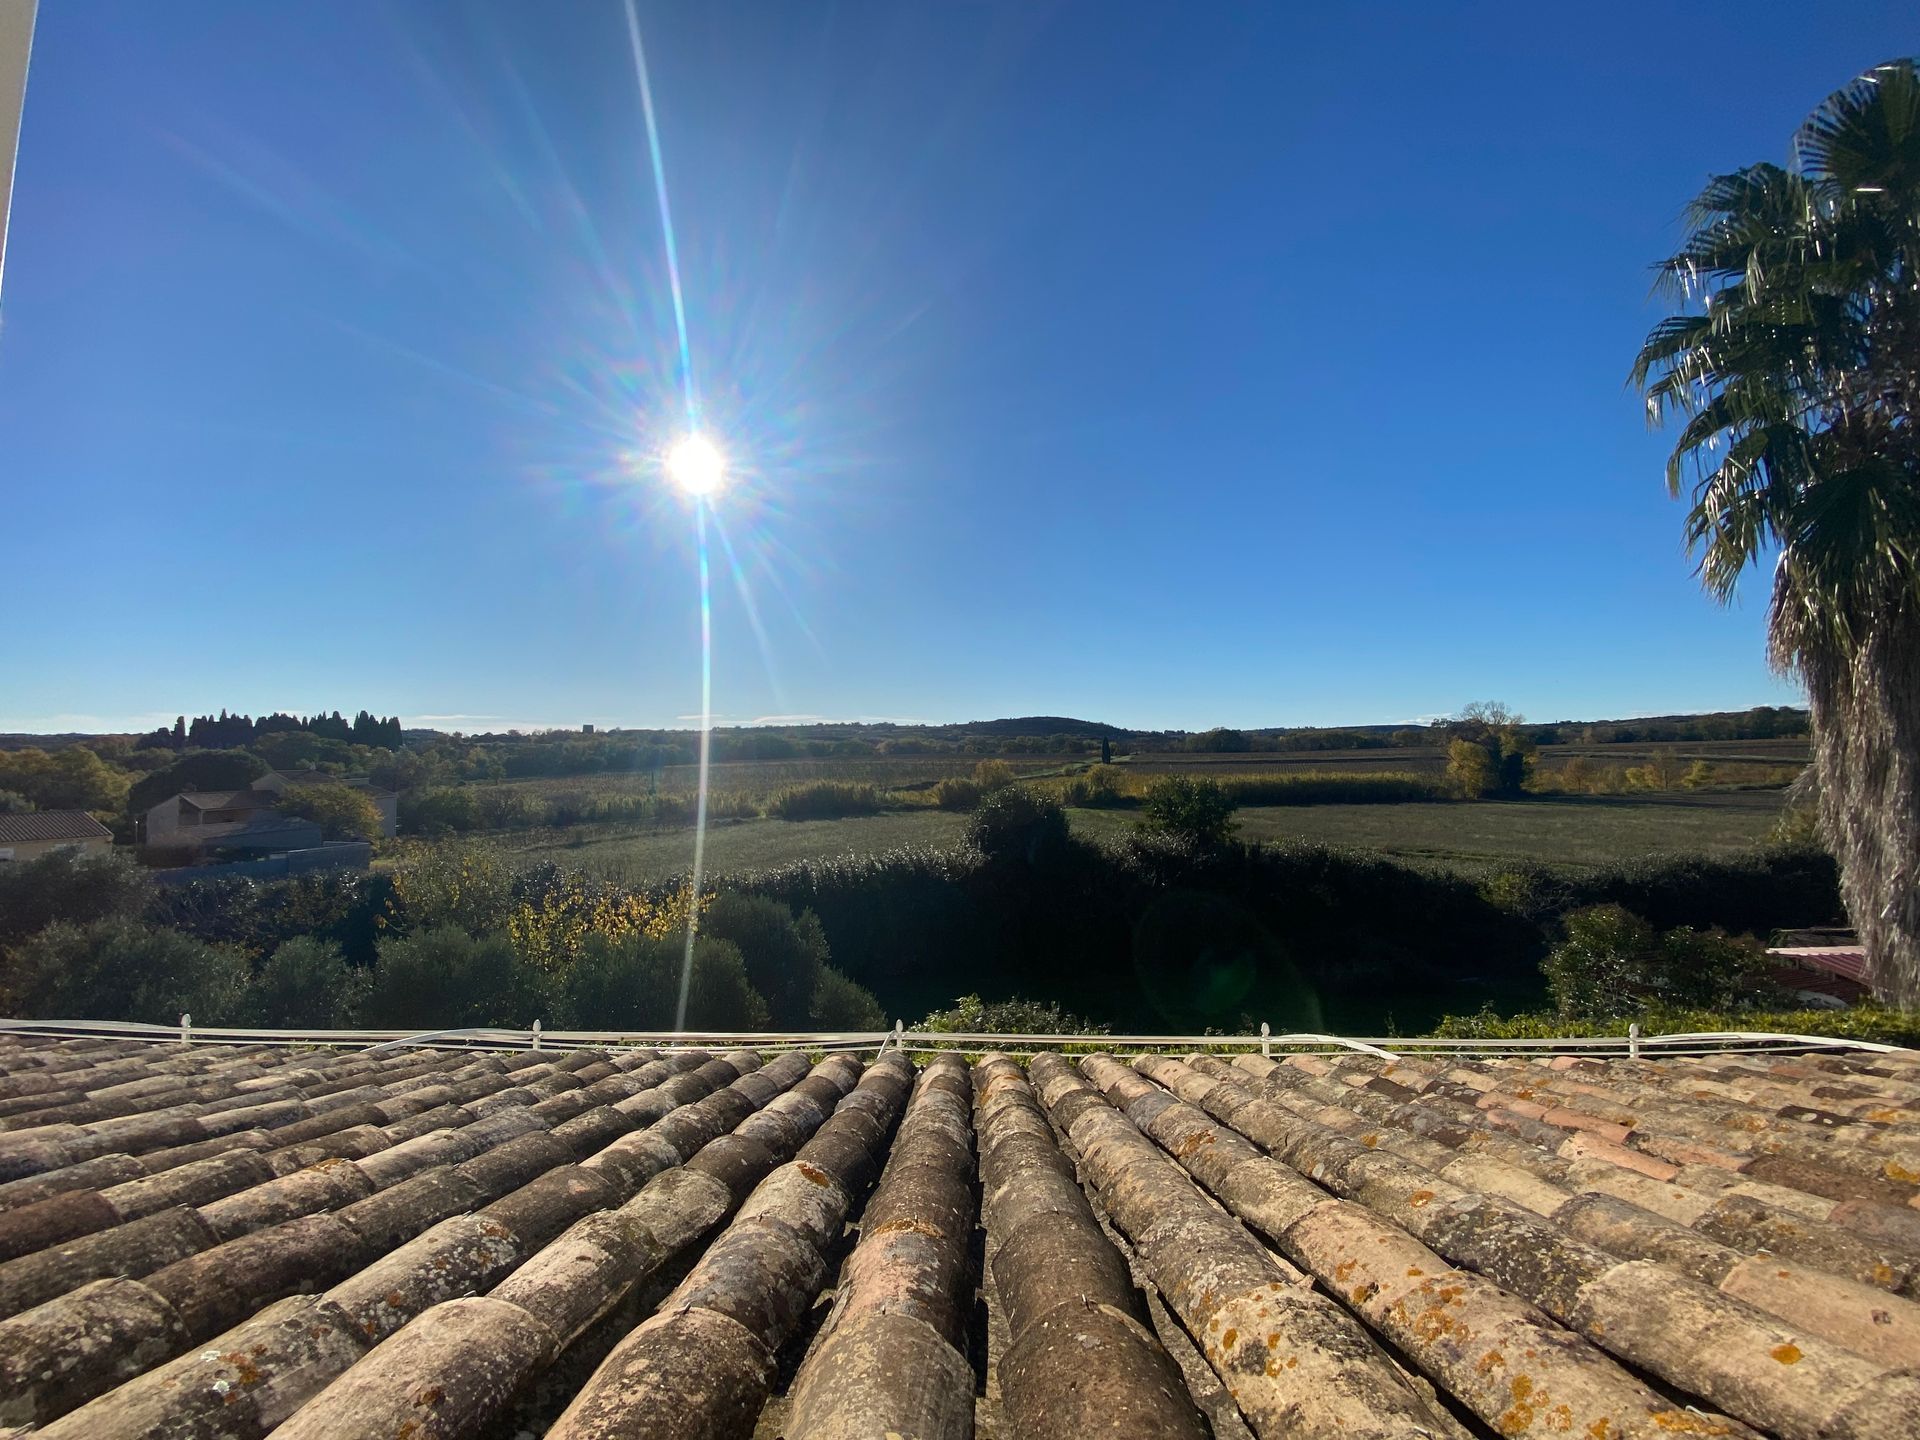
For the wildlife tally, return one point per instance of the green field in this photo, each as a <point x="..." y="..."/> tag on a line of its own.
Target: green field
<point x="636" y="857"/>
<point x="1586" y="830"/>
<point x="1579" y="831"/>
<point x="1736" y="760"/>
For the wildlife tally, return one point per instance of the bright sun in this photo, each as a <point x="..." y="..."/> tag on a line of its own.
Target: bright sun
<point x="696" y="465"/>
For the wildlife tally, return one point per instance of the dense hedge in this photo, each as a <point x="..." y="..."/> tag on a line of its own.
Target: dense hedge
<point x="1145" y="934"/>
<point x="1148" y="934"/>
<point x="1858" y="1022"/>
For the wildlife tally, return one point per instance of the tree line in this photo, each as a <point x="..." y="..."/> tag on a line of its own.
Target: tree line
<point x="236" y="732"/>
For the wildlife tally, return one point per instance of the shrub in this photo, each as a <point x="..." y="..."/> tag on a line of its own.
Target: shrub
<point x="464" y="886"/>
<point x="1200" y="811"/>
<point x="1612" y="963"/>
<point x="1858" y="1022"/>
<point x="823" y="800"/>
<point x="501" y="807"/>
<point x="1018" y="824"/>
<point x="445" y="979"/>
<point x="842" y="1004"/>
<point x="1661" y="771"/>
<point x="76" y="886"/>
<point x="567" y="808"/>
<point x="1318" y="787"/>
<point x="119" y="969"/>
<point x="633" y="982"/>
<point x="957" y="793"/>
<point x="970" y="1015"/>
<point x="991" y="775"/>
<point x="1098" y="787"/>
<point x="348" y="908"/>
<point x="12" y="802"/>
<point x="783" y="956"/>
<point x="306" y="984"/>
<point x="1755" y="893"/>
<point x="444" y="811"/>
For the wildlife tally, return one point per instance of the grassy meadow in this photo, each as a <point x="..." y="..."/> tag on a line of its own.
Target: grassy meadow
<point x="1579" y="830"/>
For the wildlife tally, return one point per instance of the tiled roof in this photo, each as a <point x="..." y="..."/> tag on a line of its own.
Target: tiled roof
<point x="229" y="799"/>
<point x="1847" y="961"/>
<point x="52" y="825"/>
<point x="200" y="1241"/>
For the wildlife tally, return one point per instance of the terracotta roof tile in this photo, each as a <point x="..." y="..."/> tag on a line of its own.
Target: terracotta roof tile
<point x="464" y="1243"/>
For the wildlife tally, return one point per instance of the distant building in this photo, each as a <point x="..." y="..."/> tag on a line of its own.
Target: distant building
<point x="1822" y="974"/>
<point x="586" y="729"/>
<point x="249" y="819"/>
<point x="25" y="837"/>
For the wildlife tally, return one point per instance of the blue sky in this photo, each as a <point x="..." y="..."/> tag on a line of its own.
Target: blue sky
<point x="1171" y="365"/>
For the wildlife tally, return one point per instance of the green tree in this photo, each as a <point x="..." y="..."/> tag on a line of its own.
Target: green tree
<point x="1472" y="769"/>
<point x="783" y="956"/>
<point x="843" y="1004"/>
<point x="446" y="979"/>
<point x="119" y="969"/>
<point x="71" y="778"/>
<point x="305" y="984"/>
<point x="342" y="812"/>
<point x="1506" y="752"/>
<point x="1018" y="823"/>
<point x="1197" y="810"/>
<point x="632" y="981"/>
<point x="1613" y="963"/>
<point x="1793" y="366"/>
<point x="74" y="886"/>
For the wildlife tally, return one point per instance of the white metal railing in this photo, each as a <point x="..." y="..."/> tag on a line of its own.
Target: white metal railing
<point x="1629" y="1044"/>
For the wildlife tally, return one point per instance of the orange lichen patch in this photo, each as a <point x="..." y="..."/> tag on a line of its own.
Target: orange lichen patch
<point x="1363" y="1293"/>
<point x="1516" y="1421"/>
<point x="1490" y="1362"/>
<point x="1786" y="1354"/>
<point x="1371" y="1140"/>
<point x="1414" y="1272"/>
<point x="907" y="1223"/>
<point x="1230" y="1338"/>
<point x="1893" y="1170"/>
<point x="245" y="1373"/>
<point x="1601" y="1429"/>
<point x="1419" y="1198"/>
<point x="1686" y="1422"/>
<point x="1343" y="1270"/>
<point x="812" y="1174"/>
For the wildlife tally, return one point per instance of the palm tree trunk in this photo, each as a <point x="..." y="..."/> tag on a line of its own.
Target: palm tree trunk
<point x="1865" y="703"/>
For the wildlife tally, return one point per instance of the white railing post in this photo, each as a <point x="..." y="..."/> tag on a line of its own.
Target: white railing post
<point x="1266" y="1040"/>
<point x="186" y="1029"/>
<point x="899" y="1030"/>
<point x="536" y="1034"/>
<point x="1633" y="1041"/>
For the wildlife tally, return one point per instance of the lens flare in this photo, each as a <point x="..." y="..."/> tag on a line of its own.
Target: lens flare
<point x="696" y="465"/>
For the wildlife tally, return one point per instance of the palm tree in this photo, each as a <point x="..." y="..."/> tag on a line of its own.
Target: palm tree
<point x="1794" y="367"/>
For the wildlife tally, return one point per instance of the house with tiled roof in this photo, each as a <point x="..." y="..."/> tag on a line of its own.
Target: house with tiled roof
<point x="249" y="818"/>
<point x="26" y="837"/>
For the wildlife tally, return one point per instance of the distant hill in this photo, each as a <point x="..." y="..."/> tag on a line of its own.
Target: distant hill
<point x="1039" y="725"/>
